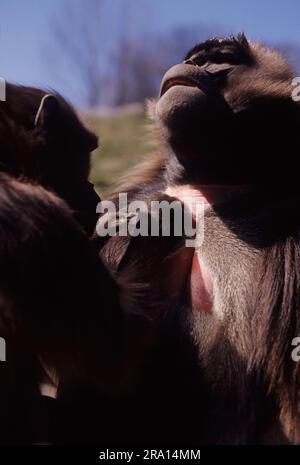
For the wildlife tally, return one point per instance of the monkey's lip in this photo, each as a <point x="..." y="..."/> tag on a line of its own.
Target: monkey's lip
<point x="176" y="81"/>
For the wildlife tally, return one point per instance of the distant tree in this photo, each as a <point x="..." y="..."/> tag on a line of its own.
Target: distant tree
<point x="106" y="47"/>
<point x="115" y="57"/>
<point x="81" y="45"/>
<point x="146" y="57"/>
<point x="91" y="40"/>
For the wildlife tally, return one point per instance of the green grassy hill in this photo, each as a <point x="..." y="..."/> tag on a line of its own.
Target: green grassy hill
<point x="123" y="143"/>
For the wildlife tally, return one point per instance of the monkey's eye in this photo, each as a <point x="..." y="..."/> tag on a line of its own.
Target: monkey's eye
<point x="216" y="57"/>
<point x="222" y="57"/>
<point x="225" y="56"/>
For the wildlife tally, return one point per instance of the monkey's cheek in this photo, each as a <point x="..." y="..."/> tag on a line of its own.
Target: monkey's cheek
<point x="200" y="287"/>
<point x="180" y="106"/>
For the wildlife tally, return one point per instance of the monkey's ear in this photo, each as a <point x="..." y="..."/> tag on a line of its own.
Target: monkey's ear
<point x="48" y="112"/>
<point x="58" y="122"/>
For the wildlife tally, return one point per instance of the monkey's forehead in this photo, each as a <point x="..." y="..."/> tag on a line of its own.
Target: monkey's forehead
<point x="238" y="43"/>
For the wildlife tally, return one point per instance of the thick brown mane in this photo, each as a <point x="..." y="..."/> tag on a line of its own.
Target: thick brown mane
<point x="251" y="244"/>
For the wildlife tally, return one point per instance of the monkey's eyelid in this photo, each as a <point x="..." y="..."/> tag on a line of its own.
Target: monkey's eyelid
<point x="218" y="68"/>
<point x="189" y="61"/>
<point x="211" y="68"/>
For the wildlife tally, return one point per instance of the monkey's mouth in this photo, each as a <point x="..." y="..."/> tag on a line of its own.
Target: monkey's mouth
<point x="178" y="81"/>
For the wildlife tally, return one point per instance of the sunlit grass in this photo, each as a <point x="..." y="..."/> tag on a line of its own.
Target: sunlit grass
<point x="123" y="143"/>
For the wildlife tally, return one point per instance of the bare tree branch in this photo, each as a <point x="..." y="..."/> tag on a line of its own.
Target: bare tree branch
<point x="80" y="41"/>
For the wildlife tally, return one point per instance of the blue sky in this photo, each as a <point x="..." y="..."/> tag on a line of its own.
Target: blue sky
<point x="25" y="28"/>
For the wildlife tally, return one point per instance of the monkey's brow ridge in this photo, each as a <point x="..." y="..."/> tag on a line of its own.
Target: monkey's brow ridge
<point x="239" y="43"/>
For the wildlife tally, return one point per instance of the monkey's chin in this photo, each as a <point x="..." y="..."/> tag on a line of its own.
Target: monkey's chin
<point x="180" y="106"/>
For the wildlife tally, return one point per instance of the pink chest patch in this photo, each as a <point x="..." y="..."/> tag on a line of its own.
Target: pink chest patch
<point x="200" y="286"/>
<point x="199" y="282"/>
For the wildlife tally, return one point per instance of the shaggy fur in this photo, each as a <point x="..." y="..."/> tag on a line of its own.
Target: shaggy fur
<point x="49" y="277"/>
<point x="42" y="140"/>
<point x="239" y="374"/>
